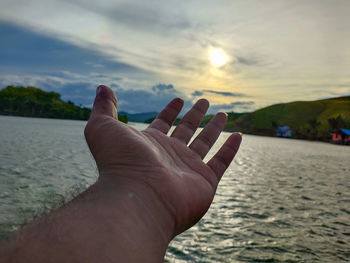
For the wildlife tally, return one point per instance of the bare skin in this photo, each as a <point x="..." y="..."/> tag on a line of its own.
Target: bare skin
<point x="151" y="187"/>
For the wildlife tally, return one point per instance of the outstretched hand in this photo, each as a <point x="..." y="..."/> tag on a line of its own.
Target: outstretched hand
<point x="165" y="165"/>
<point x="151" y="187"/>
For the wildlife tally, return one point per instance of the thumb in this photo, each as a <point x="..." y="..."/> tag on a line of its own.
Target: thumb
<point x="105" y="102"/>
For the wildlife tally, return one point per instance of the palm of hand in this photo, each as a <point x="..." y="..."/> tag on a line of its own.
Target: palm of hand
<point x="175" y="172"/>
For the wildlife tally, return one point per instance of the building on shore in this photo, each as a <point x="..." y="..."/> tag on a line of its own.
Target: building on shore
<point x="341" y="136"/>
<point x="284" y="131"/>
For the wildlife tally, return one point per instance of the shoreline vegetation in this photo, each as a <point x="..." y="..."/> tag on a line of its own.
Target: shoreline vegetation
<point x="34" y="102"/>
<point x="310" y="120"/>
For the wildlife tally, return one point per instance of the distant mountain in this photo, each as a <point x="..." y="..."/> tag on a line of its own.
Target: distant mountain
<point x="139" y="117"/>
<point x="307" y="119"/>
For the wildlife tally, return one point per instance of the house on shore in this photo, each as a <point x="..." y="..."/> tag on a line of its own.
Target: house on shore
<point x="341" y="136"/>
<point x="284" y="131"/>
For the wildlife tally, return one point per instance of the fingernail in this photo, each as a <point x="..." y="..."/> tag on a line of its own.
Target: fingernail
<point x="240" y="134"/>
<point x="98" y="90"/>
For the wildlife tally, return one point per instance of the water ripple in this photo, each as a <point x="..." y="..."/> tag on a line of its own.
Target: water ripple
<point x="280" y="201"/>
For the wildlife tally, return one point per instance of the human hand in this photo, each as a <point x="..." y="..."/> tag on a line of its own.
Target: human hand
<point x="151" y="187"/>
<point x="164" y="165"/>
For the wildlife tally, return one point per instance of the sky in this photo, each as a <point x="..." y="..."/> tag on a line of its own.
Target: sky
<point x="239" y="54"/>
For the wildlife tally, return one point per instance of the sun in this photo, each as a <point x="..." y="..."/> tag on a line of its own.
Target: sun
<point x="218" y="57"/>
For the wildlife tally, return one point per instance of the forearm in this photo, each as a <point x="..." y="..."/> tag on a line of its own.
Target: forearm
<point x="107" y="223"/>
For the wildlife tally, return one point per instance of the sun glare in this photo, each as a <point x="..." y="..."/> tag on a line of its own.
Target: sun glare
<point x="218" y="57"/>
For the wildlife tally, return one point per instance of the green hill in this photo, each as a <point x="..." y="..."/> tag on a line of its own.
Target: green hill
<point x="34" y="102"/>
<point x="307" y="119"/>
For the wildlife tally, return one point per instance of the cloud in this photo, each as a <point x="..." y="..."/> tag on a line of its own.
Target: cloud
<point x="163" y="87"/>
<point x="114" y="85"/>
<point x="148" y="41"/>
<point x="78" y="89"/>
<point x="154" y="99"/>
<point x="237" y="106"/>
<point x="44" y="82"/>
<point x="95" y="65"/>
<point x="197" y="93"/>
<point x="247" y="61"/>
<point x="81" y="90"/>
<point x="227" y="94"/>
<point x="27" y="51"/>
<point x="140" y="16"/>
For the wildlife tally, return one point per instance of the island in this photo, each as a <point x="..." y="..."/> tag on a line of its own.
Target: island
<point x="311" y="120"/>
<point x="34" y="102"/>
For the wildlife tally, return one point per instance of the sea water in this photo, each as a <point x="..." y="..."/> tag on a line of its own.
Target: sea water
<point x="281" y="200"/>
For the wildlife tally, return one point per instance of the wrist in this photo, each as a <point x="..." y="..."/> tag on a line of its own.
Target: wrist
<point x="132" y="211"/>
<point x="113" y="219"/>
<point x="130" y="220"/>
<point x="125" y="197"/>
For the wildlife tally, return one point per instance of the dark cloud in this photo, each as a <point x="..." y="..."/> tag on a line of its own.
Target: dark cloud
<point x="82" y="92"/>
<point x="134" y="101"/>
<point x="247" y="61"/>
<point x="28" y="51"/>
<point x="33" y="59"/>
<point x="197" y="93"/>
<point x="163" y="87"/>
<point x="254" y="60"/>
<point x="227" y="94"/>
<point x="114" y="85"/>
<point x="237" y="106"/>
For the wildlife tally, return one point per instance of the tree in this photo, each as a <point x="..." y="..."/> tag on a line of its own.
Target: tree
<point x="336" y="123"/>
<point x="314" y="125"/>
